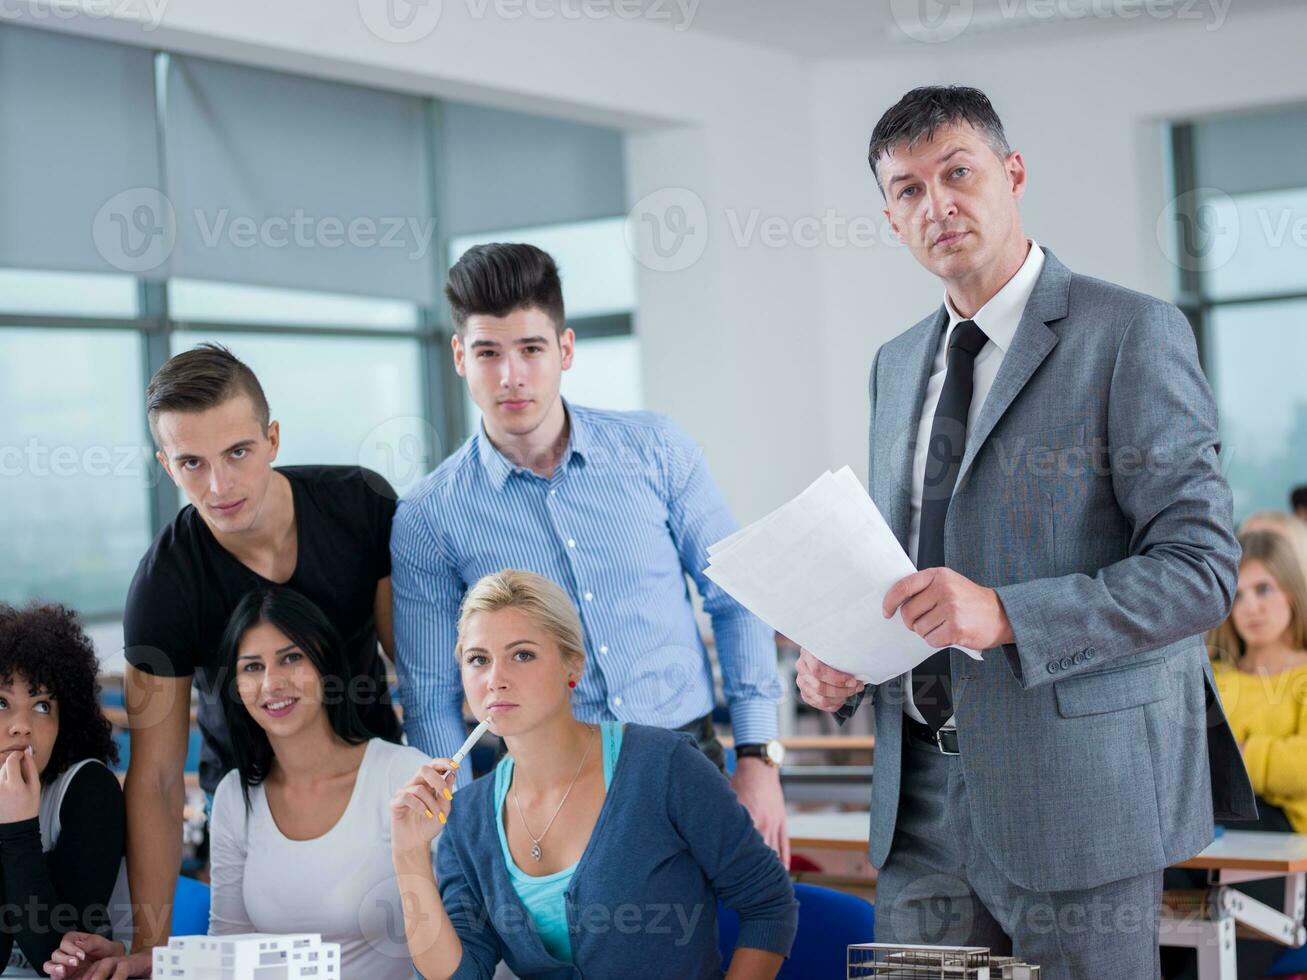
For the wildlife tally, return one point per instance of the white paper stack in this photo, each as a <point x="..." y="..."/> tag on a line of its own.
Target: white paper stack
<point x="817" y="570"/>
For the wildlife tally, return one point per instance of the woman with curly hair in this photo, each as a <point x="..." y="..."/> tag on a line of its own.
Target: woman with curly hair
<point x="61" y="808"/>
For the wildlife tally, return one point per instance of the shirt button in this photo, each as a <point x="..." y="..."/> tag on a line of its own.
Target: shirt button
<point x="617" y="702"/>
<point x="552" y="492"/>
<point x="571" y="542"/>
<point x="603" y="649"/>
<point x="589" y="597"/>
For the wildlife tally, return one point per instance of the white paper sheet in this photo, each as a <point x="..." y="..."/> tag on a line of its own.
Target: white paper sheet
<point x="817" y="570"/>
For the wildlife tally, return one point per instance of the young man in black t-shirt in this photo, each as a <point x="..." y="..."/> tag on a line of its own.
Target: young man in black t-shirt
<point x="321" y="530"/>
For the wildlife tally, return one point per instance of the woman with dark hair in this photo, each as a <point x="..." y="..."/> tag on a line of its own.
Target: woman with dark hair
<point x="301" y="830"/>
<point x="61" y="808"/>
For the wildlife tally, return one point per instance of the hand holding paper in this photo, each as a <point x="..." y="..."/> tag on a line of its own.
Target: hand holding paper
<point x="817" y="570"/>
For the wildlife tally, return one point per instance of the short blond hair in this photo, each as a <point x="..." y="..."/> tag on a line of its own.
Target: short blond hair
<point x="1278" y="553"/>
<point x="547" y="605"/>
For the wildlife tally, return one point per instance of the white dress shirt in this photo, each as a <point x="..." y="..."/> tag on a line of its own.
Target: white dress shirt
<point x="998" y="319"/>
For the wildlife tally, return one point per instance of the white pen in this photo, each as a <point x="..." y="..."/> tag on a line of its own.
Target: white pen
<point x="471" y="741"/>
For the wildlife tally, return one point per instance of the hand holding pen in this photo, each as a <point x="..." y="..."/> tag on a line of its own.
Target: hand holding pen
<point x="421" y="808"/>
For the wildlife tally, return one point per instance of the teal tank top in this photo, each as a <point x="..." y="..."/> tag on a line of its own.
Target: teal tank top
<point x="543" y="895"/>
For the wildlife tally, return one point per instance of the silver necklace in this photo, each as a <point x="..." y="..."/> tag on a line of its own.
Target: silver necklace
<point x="536" y="853"/>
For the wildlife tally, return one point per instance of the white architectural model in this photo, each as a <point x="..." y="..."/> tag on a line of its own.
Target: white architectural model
<point x="887" y="961"/>
<point x="254" y="956"/>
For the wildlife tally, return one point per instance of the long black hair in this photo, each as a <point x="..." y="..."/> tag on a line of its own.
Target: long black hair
<point x="311" y="631"/>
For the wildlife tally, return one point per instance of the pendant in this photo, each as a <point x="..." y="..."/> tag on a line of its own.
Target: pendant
<point x="535" y="851"/>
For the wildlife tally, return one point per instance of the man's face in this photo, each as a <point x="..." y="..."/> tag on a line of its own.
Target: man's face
<point x="221" y="459"/>
<point x="514" y="365"/>
<point x="952" y="201"/>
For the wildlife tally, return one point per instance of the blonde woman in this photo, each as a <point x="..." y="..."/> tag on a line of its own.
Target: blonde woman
<point x="1260" y="664"/>
<point x="1261" y="671"/>
<point x="598" y="849"/>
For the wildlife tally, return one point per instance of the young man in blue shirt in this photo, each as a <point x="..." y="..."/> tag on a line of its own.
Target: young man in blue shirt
<point x="616" y="507"/>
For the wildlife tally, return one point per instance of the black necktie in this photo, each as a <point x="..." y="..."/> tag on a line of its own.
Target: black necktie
<point x="931" y="681"/>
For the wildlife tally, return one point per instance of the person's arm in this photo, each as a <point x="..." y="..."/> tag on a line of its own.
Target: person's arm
<point x="159" y="713"/>
<point x="754" y="964"/>
<point x="1183" y="565"/>
<point x="1275" y="762"/>
<point x="228" y="830"/>
<point x="458" y="943"/>
<point x="745" y="873"/>
<point x="427" y="593"/>
<point x="70" y="888"/>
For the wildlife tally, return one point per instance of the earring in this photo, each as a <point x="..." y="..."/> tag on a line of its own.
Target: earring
<point x="571" y="683"/>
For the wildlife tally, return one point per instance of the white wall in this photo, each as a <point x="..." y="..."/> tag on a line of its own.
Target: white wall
<point x="1086" y="111"/>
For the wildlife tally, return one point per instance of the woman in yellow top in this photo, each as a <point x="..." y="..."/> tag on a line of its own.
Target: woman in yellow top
<point x="1260" y="662"/>
<point x="1260" y="666"/>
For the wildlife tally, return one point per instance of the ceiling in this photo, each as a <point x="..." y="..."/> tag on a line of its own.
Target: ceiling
<point x="841" y="28"/>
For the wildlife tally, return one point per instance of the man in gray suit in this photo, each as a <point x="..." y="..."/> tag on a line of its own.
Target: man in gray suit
<point x="1044" y="446"/>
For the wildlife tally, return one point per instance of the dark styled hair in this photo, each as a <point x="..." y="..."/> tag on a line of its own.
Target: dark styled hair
<point x="199" y="379"/>
<point x="917" y="115"/>
<point x="305" y="625"/>
<point x="496" y="279"/>
<point x="46" y="646"/>
<point x="1298" y="498"/>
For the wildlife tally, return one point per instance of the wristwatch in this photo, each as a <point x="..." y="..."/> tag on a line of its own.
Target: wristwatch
<point x="772" y="753"/>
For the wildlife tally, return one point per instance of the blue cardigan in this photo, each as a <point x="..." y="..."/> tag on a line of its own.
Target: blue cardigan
<point x="670" y="840"/>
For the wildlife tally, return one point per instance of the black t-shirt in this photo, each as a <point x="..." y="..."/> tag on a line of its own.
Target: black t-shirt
<point x="187" y="586"/>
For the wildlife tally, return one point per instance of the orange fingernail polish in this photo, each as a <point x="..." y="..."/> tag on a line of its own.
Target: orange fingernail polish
<point x="441" y="816"/>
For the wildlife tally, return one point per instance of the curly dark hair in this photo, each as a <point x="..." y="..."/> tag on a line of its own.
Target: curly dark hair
<point x="45" y="645"/>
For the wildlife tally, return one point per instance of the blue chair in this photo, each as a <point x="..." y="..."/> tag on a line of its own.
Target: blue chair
<point x="1293" y="961"/>
<point x="190" y="908"/>
<point x="829" y="922"/>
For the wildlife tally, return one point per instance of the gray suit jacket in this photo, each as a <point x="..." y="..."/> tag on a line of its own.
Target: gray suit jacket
<point x="1091" y="499"/>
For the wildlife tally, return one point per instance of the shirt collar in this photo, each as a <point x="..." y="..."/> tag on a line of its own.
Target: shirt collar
<point x="1000" y="317"/>
<point x="499" y="467"/>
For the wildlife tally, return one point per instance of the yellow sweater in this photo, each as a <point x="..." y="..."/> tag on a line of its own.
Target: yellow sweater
<point x="1268" y="713"/>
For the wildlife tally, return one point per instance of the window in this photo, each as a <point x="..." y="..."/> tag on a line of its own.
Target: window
<point x="1258" y="352"/>
<point x="75" y="519"/>
<point x="192" y="299"/>
<point x="1240" y="251"/>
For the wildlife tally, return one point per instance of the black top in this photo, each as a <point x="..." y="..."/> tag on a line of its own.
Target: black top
<point x="187" y="586"/>
<point x="68" y="889"/>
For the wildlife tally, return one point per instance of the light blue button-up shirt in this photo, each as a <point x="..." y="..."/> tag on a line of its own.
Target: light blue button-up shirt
<point x="629" y="511"/>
